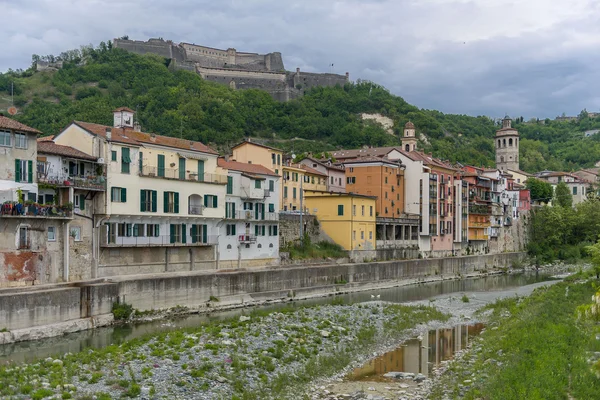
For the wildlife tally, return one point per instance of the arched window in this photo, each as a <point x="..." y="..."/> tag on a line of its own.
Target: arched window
<point x="407" y="147"/>
<point x="510" y="142"/>
<point x="501" y="158"/>
<point x="499" y="143"/>
<point x="228" y="247"/>
<point x="271" y="245"/>
<point x="503" y="142"/>
<point x="260" y="246"/>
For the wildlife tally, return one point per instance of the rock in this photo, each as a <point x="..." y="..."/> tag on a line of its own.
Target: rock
<point x="325" y="333"/>
<point x="221" y="379"/>
<point x="467" y="381"/>
<point x="243" y="318"/>
<point x="145" y="391"/>
<point x="404" y="386"/>
<point x="227" y="342"/>
<point x="57" y="362"/>
<point x="394" y="375"/>
<point x="419" y="378"/>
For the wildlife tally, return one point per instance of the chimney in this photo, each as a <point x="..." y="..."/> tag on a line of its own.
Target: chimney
<point x="108" y="133"/>
<point x="347" y="75"/>
<point x="137" y="127"/>
<point x="297" y="70"/>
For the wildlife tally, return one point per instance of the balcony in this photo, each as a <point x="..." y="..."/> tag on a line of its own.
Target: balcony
<point x="34" y="210"/>
<point x="247" y="239"/>
<point x="90" y="182"/>
<point x="155" y="241"/>
<point x="196" y="210"/>
<point x="252" y="193"/>
<point x="250" y="215"/>
<point x="173" y="173"/>
<point x="479" y="209"/>
<point x="478" y="236"/>
<point x="479" y="224"/>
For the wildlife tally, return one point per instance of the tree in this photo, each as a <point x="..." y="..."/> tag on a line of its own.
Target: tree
<point x="594" y="252"/>
<point x="540" y="191"/>
<point x="563" y="196"/>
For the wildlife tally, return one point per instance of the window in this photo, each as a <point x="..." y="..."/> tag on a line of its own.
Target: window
<point x="229" y="185"/>
<point x="24" y="238"/>
<point x="362" y="210"/>
<point x="51" y="234"/>
<point x="341" y="209"/>
<point x="278" y="160"/>
<point x="248" y="206"/>
<point x="23" y="170"/>
<point x="230" y="210"/>
<point x="199" y="234"/>
<point x="370" y="235"/>
<point x="257" y="184"/>
<point x="118" y="195"/>
<point x="277" y="171"/>
<point x="153" y="230"/>
<point x="176" y="235"/>
<point x="574" y="190"/>
<point x="20" y="141"/>
<point x="354" y="210"/>
<point x="332" y="180"/>
<point x="230" y="229"/>
<point x="76" y="233"/>
<point x="148" y="200"/>
<point x="362" y="235"/>
<point x="273" y="158"/>
<point x="4" y="138"/>
<point x="273" y="230"/>
<point x="353" y="235"/>
<point x="81" y="198"/>
<point x="113" y="155"/>
<point x="141" y="161"/>
<point x="171" y="202"/>
<point x="370" y="211"/>
<point x="210" y="201"/>
<point x="351" y="180"/>
<point x="125" y="160"/>
<point x="161" y="165"/>
<point x="138" y="230"/>
<point x="285" y="192"/>
<point x="260" y="230"/>
<point x="271" y="186"/>
<point x="351" y="169"/>
<point x="293" y="193"/>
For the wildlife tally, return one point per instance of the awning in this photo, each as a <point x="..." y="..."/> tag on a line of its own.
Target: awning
<point x="192" y="156"/>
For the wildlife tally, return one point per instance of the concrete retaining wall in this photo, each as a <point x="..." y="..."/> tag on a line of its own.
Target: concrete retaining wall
<point x="59" y="306"/>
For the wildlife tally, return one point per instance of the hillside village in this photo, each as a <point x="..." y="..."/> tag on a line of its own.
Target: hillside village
<point x="97" y="201"/>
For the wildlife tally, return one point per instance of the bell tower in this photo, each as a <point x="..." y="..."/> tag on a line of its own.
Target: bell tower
<point x="507" y="146"/>
<point x="409" y="140"/>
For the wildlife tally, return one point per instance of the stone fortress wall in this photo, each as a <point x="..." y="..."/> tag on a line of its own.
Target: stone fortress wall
<point x="238" y="70"/>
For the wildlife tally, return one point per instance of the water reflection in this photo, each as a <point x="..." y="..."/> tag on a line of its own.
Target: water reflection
<point x="102" y="337"/>
<point x="419" y="355"/>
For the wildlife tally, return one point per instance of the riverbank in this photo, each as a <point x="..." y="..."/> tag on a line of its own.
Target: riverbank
<point x="32" y="314"/>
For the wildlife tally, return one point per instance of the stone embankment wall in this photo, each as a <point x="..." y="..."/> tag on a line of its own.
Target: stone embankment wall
<point x="30" y="314"/>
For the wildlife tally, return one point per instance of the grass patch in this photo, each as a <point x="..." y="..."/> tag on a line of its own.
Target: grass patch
<point x="315" y="250"/>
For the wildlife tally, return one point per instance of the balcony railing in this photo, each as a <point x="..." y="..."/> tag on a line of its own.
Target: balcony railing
<point x="18" y="210"/>
<point x="196" y="210"/>
<point x="248" y="192"/>
<point x="478" y="236"/>
<point x="479" y="209"/>
<point x="479" y="224"/>
<point x="247" y="238"/>
<point x="173" y="173"/>
<point x="24" y="243"/>
<point x="156" y="241"/>
<point x="80" y="182"/>
<point x="250" y="215"/>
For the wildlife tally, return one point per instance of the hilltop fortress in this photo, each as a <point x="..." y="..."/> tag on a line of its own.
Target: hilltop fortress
<point x="237" y="69"/>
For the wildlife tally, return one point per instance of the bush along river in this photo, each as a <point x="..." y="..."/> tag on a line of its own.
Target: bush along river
<point x="302" y="350"/>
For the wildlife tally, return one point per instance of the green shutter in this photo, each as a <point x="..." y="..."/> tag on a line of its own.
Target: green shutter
<point x="205" y="200"/>
<point x="17" y="170"/>
<point x="161" y="165"/>
<point x="262" y="208"/>
<point x="156" y="230"/>
<point x="215" y="202"/>
<point x="176" y="200"/>
<point x="125" y="160"/>
<point x="128" y="230"/>
<point x="271" y="186"/>
<point x="182" y="169"/>
<point x="143" y="200"/>
<point x="172" y="234"/>
<point x="233" y="210"/>
<point x="123" y="195"/>
<point x="113" y="155"/>
<point x="275" y="230"/>
<point x="294" y="193"/>
<point x="263" y="230"/>
<point x="136" y="230"/>
<point x="82" y="201"/>
<point x="256" y="211"/>
<point x="183" y="234"/>
<point x="341" y="209"/>
<point x="71" y="168"/>
<point x="141" y="161"/>
<point x="201" y="170"/>
<point x="271" y="207"/>
<point x="233" y="229"/>
<point x="229" y="185"/>
<point x="255" y="230"/>
<point x="154" y="200"/>
<point x="204" y="234"/>
<point x="166" y="202"/>
<point x="194" y="233"/>
<point x="257" y="184"/>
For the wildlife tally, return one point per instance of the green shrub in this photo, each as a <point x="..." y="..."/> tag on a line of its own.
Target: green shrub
<point x="122" y="310"/>
<point x="41" y="394"/>
<point x="87" y="92"/>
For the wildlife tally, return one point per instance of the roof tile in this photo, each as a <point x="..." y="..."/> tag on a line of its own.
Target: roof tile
<point x="8" y="123"/>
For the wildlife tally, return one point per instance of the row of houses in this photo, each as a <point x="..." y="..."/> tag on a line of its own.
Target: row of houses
<point x="98" y="201"/>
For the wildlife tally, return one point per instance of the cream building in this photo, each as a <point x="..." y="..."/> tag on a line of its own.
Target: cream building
<point x="165" y="198"/>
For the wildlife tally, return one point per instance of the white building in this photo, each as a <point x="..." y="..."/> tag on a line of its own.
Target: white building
<point x="336" y="176"/>
<point x="249" y="236"/>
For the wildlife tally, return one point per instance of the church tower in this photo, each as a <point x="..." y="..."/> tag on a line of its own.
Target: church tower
<point x="409" y="140"/>
<point x="507" y="146"/>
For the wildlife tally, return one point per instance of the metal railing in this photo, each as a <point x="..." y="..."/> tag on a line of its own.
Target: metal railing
<point x="196" y="210"/>
<point x="11" y="209"/>
<point x="479" y="224"/>
<point x="173" y="173"/>
<point x="114" y="240"/>
<point x="84" y="182"/>
<point x="247" y="238"/>
<point x="250" y="215"/>
<point x="24" y="244"/>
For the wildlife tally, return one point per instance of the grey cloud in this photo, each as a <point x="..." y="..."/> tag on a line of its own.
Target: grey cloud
<point x="489" y="57"/>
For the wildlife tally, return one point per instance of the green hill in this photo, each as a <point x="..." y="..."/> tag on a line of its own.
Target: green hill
<point x="181" y="103"/>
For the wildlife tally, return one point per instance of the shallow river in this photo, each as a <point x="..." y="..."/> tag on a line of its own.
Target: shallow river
<point x="101" y="337"/>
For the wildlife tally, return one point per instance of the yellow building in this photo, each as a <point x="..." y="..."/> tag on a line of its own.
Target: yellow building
<point x="296" y="177"/>
<point x="249" y="152"/>
<point x="348" y="219"/>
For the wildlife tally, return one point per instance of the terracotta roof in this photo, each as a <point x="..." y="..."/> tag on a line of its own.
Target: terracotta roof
<point x="371" y="151"/>
<point x="124" y="109"/>
<point x="49" y="147"/>
<point x="8" y="123"/>
<point x="336" y="194"/>
<point x="323" y="163"/>
<point x="129" y="136"/>
<point x="247" y="168"/>
<point x="256" y="144"/>
<point x="409" y="125"/>
<point x="432" y="161"/>
<point x="368" y="159"/>
<point x="312" y="170"/>
<point x="45" y="138"/>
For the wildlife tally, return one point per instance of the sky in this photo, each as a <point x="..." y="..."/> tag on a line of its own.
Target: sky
<point x="530" y="58"/>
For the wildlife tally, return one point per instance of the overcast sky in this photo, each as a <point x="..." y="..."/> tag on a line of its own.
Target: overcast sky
<point x="523" y="57"/>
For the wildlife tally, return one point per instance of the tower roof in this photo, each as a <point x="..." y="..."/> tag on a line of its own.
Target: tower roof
<point x="409" y="125"/>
